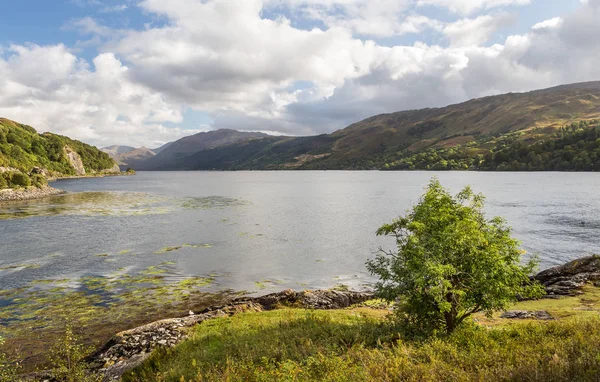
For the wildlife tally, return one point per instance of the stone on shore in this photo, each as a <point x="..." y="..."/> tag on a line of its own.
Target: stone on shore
<point x="569" y="278"/>
<point x="526" y="314"/>
<point x="12" y="194"/>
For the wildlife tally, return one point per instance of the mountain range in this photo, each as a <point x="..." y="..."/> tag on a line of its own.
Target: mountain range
<point x="468" y="135"/>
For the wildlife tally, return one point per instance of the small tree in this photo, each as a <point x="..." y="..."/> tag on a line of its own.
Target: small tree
<point x="451" y="262"/>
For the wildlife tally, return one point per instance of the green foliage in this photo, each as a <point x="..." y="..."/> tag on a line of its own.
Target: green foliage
<point x="8" y="368"/>
<point x="39" y="180"/>
<point x="297" y="345"/>
<point x="67" y="359"/>
<point x="22" y="148"/>
<point x="451" y="262"/>
<point x="18" y="179"/>
<point x="3" y="182"/>
<point x="573" y="148"/>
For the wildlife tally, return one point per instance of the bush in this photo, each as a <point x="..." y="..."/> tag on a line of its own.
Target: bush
<point x="67" y="357"/>
<point x="19" y="179"/>
<point x="3" y="182"/>
<point x="8" y="368"/>
<point x="39" y="180"/>
<point x="451" y="262"/>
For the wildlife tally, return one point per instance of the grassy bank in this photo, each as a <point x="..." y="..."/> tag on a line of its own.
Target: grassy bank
<point x="359" y="344"/>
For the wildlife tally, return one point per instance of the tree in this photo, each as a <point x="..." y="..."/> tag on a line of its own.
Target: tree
<point x="451" y="262"/>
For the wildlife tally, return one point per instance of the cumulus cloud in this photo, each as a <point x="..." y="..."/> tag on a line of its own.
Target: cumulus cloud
<point x="477" y="31"/>
<point x="50" y="88"/>
<point x="247" y="71"/>
<point x="467" y="7"/>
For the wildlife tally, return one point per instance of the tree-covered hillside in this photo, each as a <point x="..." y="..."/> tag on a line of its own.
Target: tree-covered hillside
<point x="22" y="149"/>
<point x="575" y="147"/>
<point x="490" y="133"/>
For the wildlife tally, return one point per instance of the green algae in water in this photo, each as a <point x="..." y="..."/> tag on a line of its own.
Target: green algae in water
<point x="33" y="317"/>
<point x="211" y="202"/>
<point x="89" y="204"/>
<point x="20" y="267"/>
<point x="178" y="247"/>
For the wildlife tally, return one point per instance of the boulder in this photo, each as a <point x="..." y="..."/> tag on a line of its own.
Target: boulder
<point x="527" y="314"/>
<point x="569" y="278"/>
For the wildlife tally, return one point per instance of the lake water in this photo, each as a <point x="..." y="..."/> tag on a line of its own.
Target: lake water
<point x="262" y="231"/>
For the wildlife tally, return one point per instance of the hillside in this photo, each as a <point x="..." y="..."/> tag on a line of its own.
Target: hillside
<point x="117" y="150"/>
<point x="27" y="157"/>
<point x="476" y="128"/>
<point x="173" y="152"/>
<point x="128" y="157"/>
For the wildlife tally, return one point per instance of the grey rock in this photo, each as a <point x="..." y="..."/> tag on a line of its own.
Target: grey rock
<point x="527" y="314"/>
<point x="569" y="278"/>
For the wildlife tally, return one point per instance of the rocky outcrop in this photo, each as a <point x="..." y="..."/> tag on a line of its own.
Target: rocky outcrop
<point x="130" y="348"/>
<point x="28" y="193"/>
<point x="568" y="279"/>
<point x="75" y="160"/>
<point x="113" y="170"/>
<point x="527" y="314"/>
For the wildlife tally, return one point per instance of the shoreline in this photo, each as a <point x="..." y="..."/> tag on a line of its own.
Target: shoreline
<point x="129" y="348"/>
<point x="30" y="193"/>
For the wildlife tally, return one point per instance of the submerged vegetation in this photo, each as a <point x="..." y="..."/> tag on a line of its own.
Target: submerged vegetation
<point x="34" y="317"/>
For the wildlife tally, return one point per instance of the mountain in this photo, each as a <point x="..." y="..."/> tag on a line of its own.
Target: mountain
<point x="117" y="150"/>
<point x="169" y="156"/>
<point x="27" y="157"/>
<point x="161" y="148"/>
<point x="462" y="136"/>
<point x="128" y="157"/>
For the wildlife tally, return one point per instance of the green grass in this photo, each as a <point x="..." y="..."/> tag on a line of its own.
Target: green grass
<point x="359" y="345"/>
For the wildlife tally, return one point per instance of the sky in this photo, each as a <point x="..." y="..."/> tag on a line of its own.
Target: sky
<point x="146" y="72"/>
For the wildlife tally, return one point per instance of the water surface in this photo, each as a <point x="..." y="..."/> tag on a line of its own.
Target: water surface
<point x="261" y="231"/>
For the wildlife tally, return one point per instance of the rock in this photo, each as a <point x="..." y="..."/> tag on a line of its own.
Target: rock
<point x="40" y="171"/>
<point x="29" y="193"/>
<point x="75" y="160"/>
<point x="115" y="169"/>
<point x="569" y="278"/>
<point x="526" y="314"/>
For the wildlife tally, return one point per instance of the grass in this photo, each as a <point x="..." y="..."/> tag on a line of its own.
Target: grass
<point x="359" y="344"/>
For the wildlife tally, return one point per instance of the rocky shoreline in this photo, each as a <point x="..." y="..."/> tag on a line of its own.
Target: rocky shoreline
<point x="29" y="193"/>
<point x="130" y="348"/>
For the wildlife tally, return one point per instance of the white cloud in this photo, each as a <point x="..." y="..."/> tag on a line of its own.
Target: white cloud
<point x="478" y="31"/>
<point x="52" y="90"/>
<point x="553" y="23"/>
<point x="225" y="58"/>
<point x="467" y="7"/>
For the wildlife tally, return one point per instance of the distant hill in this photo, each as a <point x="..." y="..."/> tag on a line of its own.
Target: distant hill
<point x="27" y="156"/>
<point x="117" y="150"/>
<point x="161" y="148"/>
<point x="128" y="157"/>
<point x="476" y="129"/>
<point x="169" y="157"/>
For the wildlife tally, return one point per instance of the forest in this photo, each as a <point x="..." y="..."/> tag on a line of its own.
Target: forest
<point x="22" y="148"/>
<point x="574" y="147"/>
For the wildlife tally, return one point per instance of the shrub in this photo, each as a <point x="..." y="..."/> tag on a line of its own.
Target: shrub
<point x="67" y="358"/>
<point x="8" y="367"/>
<point x="39" y="180"/>
<point x="19" y="179"/>
<point x="451" y="262"/>
<point x="3" y="182"/>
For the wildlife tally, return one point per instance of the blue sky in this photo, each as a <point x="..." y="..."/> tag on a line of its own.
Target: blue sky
<point x="144" y="72"/>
